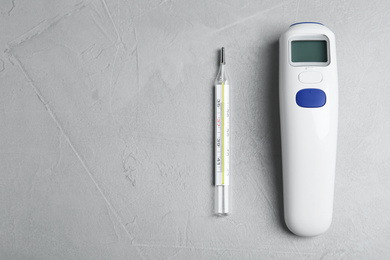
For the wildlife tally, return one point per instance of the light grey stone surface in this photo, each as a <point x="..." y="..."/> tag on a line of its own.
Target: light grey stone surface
<point x="106" y="134"/>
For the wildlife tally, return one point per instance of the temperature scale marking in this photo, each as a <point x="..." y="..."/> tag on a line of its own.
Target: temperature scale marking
<point x="222" y="134"/>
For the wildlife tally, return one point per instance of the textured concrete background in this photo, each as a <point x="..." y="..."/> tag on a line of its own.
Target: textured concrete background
<point x="106" y="129"/>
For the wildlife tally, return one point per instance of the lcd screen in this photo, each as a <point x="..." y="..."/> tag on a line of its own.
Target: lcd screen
<point x="309" y="51"/>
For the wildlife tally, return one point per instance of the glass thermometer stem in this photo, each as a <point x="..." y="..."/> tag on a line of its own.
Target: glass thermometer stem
<point x="222" y="139"/>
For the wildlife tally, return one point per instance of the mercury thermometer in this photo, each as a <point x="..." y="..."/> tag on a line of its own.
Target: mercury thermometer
<point x="222" y="139"/>
<point x="308" y="95"/>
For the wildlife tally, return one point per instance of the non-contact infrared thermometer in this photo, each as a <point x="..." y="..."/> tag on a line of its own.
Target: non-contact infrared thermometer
<point x="308" y="95"/>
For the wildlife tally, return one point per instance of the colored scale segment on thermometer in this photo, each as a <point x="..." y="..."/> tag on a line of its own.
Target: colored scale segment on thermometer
<point x="222" y="139"/>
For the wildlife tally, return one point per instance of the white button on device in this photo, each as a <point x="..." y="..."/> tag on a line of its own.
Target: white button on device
<point x="310" y="77"/>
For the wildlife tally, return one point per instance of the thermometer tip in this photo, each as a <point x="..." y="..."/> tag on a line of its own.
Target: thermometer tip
<point x="223" y="55"/>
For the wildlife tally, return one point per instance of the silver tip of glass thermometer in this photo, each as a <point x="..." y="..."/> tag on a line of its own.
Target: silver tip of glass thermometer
<point x="223" y="56"/>
<point x="222" y="200"/>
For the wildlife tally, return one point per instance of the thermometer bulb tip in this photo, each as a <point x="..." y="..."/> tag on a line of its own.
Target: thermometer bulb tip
<point x="223" y="55"/>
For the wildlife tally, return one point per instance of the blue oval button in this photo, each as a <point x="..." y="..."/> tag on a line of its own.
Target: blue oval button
<point x="311" y="97"/>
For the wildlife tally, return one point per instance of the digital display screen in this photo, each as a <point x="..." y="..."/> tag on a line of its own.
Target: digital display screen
<point x="309" y="51"/>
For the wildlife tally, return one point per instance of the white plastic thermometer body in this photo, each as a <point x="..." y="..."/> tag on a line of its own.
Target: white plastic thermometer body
<point x="222" y="140"/>
<point x="308" y="95"/>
